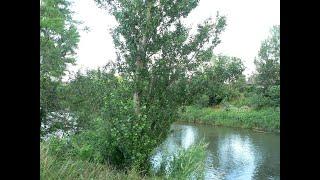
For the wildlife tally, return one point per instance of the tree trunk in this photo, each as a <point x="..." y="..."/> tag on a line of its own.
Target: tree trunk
<point x="136" y="100"/>
<point x="139" y="68"/>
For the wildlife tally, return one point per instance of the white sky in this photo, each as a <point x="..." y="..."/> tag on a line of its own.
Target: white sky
<point x="248" y="23"/>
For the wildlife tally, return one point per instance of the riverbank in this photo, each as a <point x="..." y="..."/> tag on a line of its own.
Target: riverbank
<point x="186" y="163"/>
<point x="52" y="167"/>
<point x="264" y="120"/>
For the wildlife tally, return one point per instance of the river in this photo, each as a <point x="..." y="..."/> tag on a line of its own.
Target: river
<point x="232" y="154"/>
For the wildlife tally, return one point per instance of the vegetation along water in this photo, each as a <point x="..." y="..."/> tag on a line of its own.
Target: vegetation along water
<point x="130" y="119"/>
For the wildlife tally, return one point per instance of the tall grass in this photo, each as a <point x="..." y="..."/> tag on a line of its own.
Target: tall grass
<point x="52" y="168"/>
<point x="183" y="163"/>
<point x="267" y="119"/>
<point x="188" y="163"/>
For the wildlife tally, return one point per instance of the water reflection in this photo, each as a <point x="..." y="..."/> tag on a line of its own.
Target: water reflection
<point x="237" y="157"/>
<point x="182" y="137"/>
<point x="231" y="154"/>
<point x="188" y="136"/>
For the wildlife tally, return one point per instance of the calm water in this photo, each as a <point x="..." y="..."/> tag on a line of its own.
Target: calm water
<point x="232" y="154"/>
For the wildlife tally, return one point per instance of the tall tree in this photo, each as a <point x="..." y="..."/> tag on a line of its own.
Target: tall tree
<point x="268" y="60"/>
<point x="156" y="54"/>
<point x="58" y="40"/>
<point x="267" y="77"/>
<point x="222" y="77"/>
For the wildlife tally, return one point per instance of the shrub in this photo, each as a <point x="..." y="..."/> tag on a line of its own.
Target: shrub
<point x="259" y="101"/>
<point x="269" y="97"/>
<point x="274" y="95"/>
<point x="202" y="101"/>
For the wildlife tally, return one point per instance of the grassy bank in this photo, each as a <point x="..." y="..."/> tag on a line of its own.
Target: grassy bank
<point x="185" y="164"/>
<point x="52" y="168"/>
<point x="267" y="119"/>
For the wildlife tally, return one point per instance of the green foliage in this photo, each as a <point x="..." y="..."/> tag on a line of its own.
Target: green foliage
<point x="58" y="37"/>
<point x="84" y="95"/>
<point x="122" y="113"/>
<point x="266" y="91"/>
<point x="268" y="61"/>
<point x="269" y="98"/>
<point x="226" y="105"/>
<point x="58" y="40"/>
<point x="224" y="82"/>
<point x="52" y="167"/>
<point x="89" y="146"/>
<point x="155" y="53"/>
<point x="221" y="80"/>
<point x="58" y="147"/>
<point x="242" y="100"/>
<point x="188" y="163"/>
<point x="267" y="118"/>
<point x="202" y="101"/>
<point x="258" y="101"/>
<point x="273" y="93"/>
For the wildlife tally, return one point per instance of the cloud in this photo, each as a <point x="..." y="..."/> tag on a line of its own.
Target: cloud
<point x="248" y="23"/>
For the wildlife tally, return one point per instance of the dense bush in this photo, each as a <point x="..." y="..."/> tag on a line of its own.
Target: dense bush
<point x="224" y="79"/>
<point x="273" y="94"/>
<point x="202" y="101"/>
<point x="90" y="145"/>
<point x="84" y="95"/>
<point x="268" y="98"/>
<point x="113" y="135"/>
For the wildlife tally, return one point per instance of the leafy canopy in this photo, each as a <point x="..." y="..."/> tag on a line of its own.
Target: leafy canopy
<point x="268" y="60"/>
<point x="156" y="56"/>
<point x="58" y="40"/>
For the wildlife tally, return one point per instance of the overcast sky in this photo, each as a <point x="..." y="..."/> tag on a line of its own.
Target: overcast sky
<point x="248" y="23"/>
